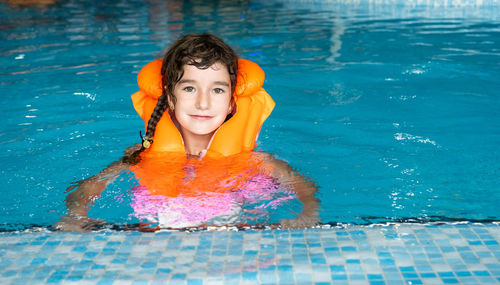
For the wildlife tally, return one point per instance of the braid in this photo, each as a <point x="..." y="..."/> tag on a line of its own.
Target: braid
<point x="158" y="111"/>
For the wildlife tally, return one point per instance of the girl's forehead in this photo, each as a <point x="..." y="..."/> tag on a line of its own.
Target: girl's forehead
<point x="217" y="69"/>
<point x="215" y="66"/>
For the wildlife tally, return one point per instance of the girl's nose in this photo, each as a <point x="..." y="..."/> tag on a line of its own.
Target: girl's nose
<point x="203" y="100"/>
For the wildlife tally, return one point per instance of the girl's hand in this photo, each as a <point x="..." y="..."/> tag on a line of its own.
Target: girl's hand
<point x="78" y="224"/>
<point x="301" y="222"/>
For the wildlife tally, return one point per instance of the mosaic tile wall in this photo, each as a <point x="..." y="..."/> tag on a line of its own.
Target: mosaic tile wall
<point x="390" y="254"/>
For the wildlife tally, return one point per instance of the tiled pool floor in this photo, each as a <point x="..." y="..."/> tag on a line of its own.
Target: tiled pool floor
<point x="380" y="254"/>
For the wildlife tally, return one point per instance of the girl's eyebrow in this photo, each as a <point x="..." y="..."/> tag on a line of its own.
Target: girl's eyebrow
<point x="223" y="83"/>
<point x="191" y="81"/>
<point x="186" y="81"/>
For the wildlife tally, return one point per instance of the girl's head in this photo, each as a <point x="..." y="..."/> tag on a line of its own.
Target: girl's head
<point x="211" y="67"/>
<point x="201" y="51"/>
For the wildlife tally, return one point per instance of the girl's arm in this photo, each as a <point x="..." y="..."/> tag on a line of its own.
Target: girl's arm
<point x="304" y="189"/>
<point x="87" y="191"/>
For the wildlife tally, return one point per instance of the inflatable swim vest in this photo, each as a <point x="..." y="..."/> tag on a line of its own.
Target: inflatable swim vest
<point x="164" y="168"/>
<point x="236" y="135"/>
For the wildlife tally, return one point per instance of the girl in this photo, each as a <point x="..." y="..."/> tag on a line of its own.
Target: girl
<point x="203" y="108"/>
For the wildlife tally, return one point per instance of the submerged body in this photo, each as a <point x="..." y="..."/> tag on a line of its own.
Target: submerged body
<point x="229" y="191"/>
<point x="203" y="109"/>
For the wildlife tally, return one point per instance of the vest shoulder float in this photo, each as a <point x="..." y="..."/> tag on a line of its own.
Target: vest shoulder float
<point x="236" y="135"/>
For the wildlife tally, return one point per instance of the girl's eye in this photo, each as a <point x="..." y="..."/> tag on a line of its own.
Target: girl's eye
<point x="218" y="91"/>
<point x="188" y="89"/>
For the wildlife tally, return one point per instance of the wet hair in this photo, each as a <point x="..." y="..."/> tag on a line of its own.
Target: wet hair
<point x="199" y="50"/>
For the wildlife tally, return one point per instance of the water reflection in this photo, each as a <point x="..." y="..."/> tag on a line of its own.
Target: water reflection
<point x="175" y="192"/>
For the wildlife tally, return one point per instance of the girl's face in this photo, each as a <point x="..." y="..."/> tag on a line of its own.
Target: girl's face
<point x="203" y="99"/>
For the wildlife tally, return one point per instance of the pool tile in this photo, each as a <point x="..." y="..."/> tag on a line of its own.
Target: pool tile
<point x="464" y="254"/>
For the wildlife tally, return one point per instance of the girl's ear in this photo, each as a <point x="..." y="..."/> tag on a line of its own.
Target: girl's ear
<point x="232" y="107"/>
<point x="170" y="102"/>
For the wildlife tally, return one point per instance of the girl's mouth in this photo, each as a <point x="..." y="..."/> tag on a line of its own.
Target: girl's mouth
<point x="201" y="117"/>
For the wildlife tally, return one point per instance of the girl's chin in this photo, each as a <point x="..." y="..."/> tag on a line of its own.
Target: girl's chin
<point x="201" y="133"/>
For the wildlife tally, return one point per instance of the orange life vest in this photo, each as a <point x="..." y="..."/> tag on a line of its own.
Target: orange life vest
<point x="238" y="134"/>
<point x="164" y="168"/>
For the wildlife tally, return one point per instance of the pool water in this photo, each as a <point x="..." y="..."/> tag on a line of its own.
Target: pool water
<point x="392" y="108"/>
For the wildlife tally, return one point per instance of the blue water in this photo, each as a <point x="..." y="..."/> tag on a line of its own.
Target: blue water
<point x="392" y="108"/>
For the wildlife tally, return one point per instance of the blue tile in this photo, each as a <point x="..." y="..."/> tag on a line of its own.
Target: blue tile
<point x="148" y="264"/>
<point x="179" y="276"/>
<point x="321" y="268"/>
<point x="446" y="274"/>
<point x="486" y="280"/>
<point x="332" y="251"/>
<point x="286" y="277"/>
<point x="348" y="248"/>
<point x="354" y="268"/>
<point x="409" y="275"/>
<point x="318" y="260"/>
<point x="268" y="268"/>
<point x="371" y="261"/>
<point x="119" y="261"/>
<point x="249" y="276"/>
<point x="232" y="278"/>
<point x="357" y="277"/>
<point x="337" y="269"/>
<point x="164" y="271"/>
<point x="9" y="273"/>
<point x="407" y="269"/>
<point x="483" y="254"/>
<point x="74" y="278"/>
<point x="374" y="276"/>
<point x="495" y="272"/>
<point x="428" y="275"/>
<point x="463" y="248"/>
<point x="195" y="282"/>
<point x="447" y="249"/>
<point x="339" y="277"/>
<point x="57" y="276"/>
<point x="267" y="277"/>
<point x="303" y="278"/>
<point x="91" y="254"/>
<point x="450" y="281"/>
<point x="493" y="266"/>
<point x="218" y="253"/>
<point x="300" y="259"/>
<point x="387" y="262"/>
<point x="284" y="261"/>
<point x="384" y="254"/>
<point x="98" y="266"/>
<point x="52" y="243"/>
<point x="481" y="273"/>
<point x="38" y="260"/>
<point x="285" y="268"/>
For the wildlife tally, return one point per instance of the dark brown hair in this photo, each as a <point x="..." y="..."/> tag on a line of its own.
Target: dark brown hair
<point x="200" y="50"/>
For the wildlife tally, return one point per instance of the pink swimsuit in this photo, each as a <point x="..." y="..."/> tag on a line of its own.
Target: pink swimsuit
<point x="235" y="206"/>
